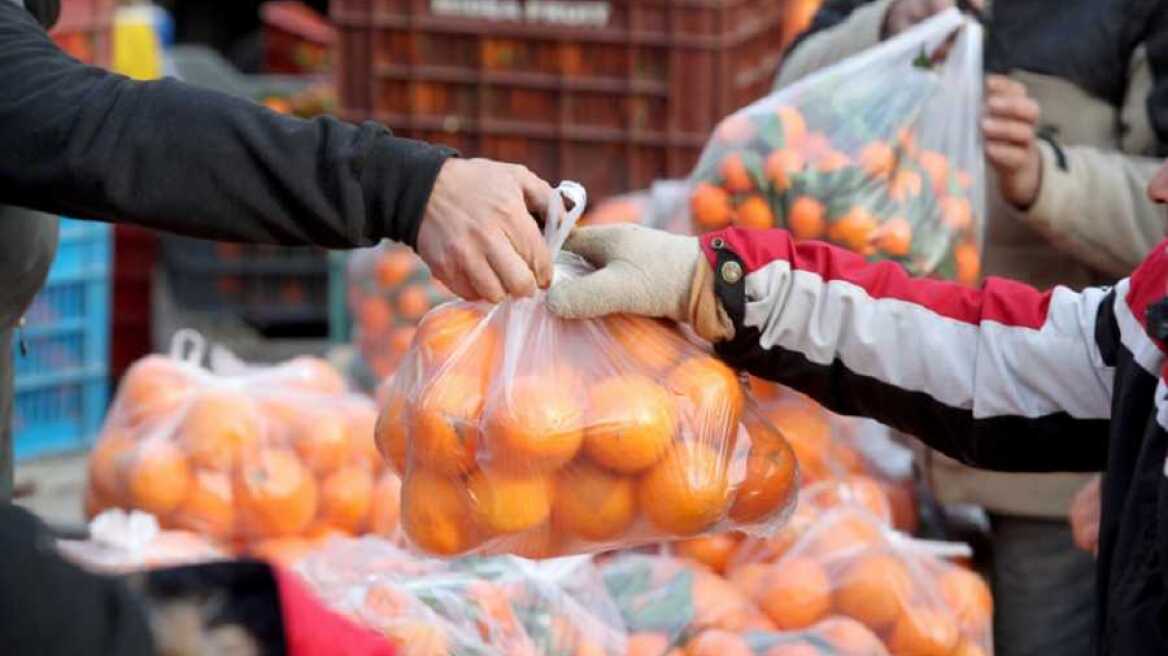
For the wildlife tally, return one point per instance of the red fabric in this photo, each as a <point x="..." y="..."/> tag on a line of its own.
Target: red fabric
<point x="311" y="629"/>
<point x="1003" y="301"/>
<point x="1148" y="284"/>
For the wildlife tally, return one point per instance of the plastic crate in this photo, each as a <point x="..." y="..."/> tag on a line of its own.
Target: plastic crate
<point x="85" y="30"/>
<point x="297" y="40"/>
<point x="62" y="377"/>
<point x="612" y="94"/>
<point x="135" y="255"/>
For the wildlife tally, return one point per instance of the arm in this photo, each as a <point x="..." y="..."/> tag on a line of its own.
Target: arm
<point x="840" y="29"/>
<point x="81" y="141"/>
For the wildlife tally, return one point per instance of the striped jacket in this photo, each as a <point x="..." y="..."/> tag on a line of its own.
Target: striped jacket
<point x="1003" y="377"/>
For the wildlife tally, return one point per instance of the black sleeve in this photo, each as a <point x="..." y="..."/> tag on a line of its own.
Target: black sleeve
<point x="84" y="142"/>
<point x="50" y="607"/>
<point x="830" y="14"/>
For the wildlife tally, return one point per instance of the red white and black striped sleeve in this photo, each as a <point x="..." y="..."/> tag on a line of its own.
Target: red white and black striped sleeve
<point x="1003" y="377"/>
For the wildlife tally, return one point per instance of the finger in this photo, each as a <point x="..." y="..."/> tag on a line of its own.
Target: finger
<point x="1006" y="156"/>
<point x="1021" y="108"/>
<point x="536" y="192"/>
<point x="597" y="294"/>
<point x="1000" y="85"/>
<point x="938" y="6"/>
<point x="509" y="268"/>
<point x="527" y="241"/>
<point x="481" y="277"/>
<point x="460" y="285"/>
<point x="1001" y="130"/>
<point x="593" y="243"/>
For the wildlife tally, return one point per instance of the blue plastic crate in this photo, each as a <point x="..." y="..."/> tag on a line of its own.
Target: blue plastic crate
<point x="62" y="380"/>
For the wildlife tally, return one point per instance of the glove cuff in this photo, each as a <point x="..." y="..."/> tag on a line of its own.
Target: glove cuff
<point x="704" y="312"/>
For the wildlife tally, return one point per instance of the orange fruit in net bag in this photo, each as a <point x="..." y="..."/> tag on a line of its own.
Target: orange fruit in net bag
<point x="755" y="213"/>
<point x="687" y="492"/>
<point x="509" y="503"/>
<point x="923" y="631"/>
<point x="713" y="551"/>
<point x="780" y="165"/>
<point x="360" y="426"/>
<point x="631" y="423"/>
<point x="418" y="637"/>
<point x="374" y="315"/>
<point x="956" y="212"/>
<point x="385" y="509"/>
<point x="451" y="329"/>
<point x="712" y="393"/>
<point x="832" y="161"/>
<point x="536" y="543"/>
<point x="445" y="423"/>
<point x="346" y="497"/>
<point x="394" y="267"/>
<point x="968" y="263"/>
<point x="877" y="159"/>
<point x="308" y="373"/>
<point x="854" y="230"/>
<point x="906" y="185"/>
<point x="848" y="533"/>
<point x="95" y="503"/>
<point x="413" y="302"/>
<point x="209" y="507"/>
<point x="320" y="437"/>
<point x="719" y="605"/>
<point x="794" y="127"/>
<point x="390" y="431"/>
<point x="936" y="166"/>
<point x="806" y="430"/>
<point x="970" y="599"/>
<point x="797" y="593"/>
<point x="894" y="237"/>
<point x="649" y="343"/>
<point x="874" y="589"/>
<point x="711" y="207"/>
<point x="275" y="493"/>
<point x="736" y="128"/>
<point x="536" y="424"/>
<point x="154" y="386"/>
<point x="400" y="340"/>
<point x="856" y="490"/>
<point x="109" y="462"/>
<point x="613" y="212"/>
<point x="159" y="477"/>
<point x="436" y="513"/>
<point x="220" y="426"/>
<point x="770" y="476"/>
<point x="718" y="643"/>
<point x="647" y="644"/>
<point x="794" y="648"/>
<point x="807" y="218"/>
<point x="736" y="178"/>
<point x="286" y="551"/>
<point x="592" y="503"/>
<point x="968" y="647"/>
<point x="850" y="638"/>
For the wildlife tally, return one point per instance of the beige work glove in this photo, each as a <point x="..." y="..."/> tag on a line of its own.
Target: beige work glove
<point x="644" y="272"/>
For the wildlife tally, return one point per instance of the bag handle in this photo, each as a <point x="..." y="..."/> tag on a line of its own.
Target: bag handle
<point x="560" y="220"/>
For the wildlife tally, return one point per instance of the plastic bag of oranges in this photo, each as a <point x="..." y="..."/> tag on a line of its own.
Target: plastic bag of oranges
<point x="879" y="153"/>
<point x="519" y="432"/>
<point x="282" y="454"/>
<point x="837" y="636"/>
<point x="850" y="564"/>
<point x="121" y="542"/>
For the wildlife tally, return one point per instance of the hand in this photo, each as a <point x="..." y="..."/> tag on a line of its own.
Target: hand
<point x="1085" y="509"/>
<point x="641" y="271"/>
<point x="1010" y="129"/>
<point x="478" y="236"/>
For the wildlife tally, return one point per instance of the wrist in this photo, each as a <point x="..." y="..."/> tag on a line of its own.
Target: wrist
<point x="704" y="311"/>
<point x="1027" y="184"/>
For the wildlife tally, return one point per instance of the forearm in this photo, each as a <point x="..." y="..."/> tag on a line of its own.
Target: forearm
<point x="836" y="37"/>
<point x="88" y="143"/>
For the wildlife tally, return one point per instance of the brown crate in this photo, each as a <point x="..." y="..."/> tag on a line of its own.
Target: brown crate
<point x="614" y="105"/>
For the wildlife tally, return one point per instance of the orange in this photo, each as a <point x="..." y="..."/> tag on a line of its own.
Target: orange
<point x="847" y="459"/>
<point x="713" y="393"/>
<point x="613" y="212"/>
<point x="750" y="578"/>
<point x="718" y="643"/>
<point x="436" y="513"/>
<point x="814" y="145"/>
<point x="385" y="509"/>
<point x="907" y="140"/>
<point x="536" y="544"/>
<point x="275" y="493"/>
<point x="969" y="597"/>
<point x="159" y="477"/>
<point x="846" y="533"/>
<point x="346" y="496"/>
<point x="794" y="127"/>
<point x="687" y="492"/>
<point x="765" y="390"/>
<point x="964" y="180"/>
<point x="108" y="463"/>
<point x="755" y="212"/>
<point x="849" y="637"/>
<point x="447" y="329"/>
<point x="923" y="631"/>
<point x="632" y="420"/>
<point x="936" y="166"/>
<point x="719" y="605"/>
<point x="968" y="262"/>
<point x="374" y="315"/>
<point x="806" y="219"/>
<point x="735" y="177"/>
<point x="648" y="343"/>
<point x="647" y="644"/>
<point x="857" y="490"/>
<point x="735" y="129"/>
<point x="535" y="425"/>
<point x="400" y="339"/>
<point x="797" y="593"/>
<point x="506" y="503"/>
<point x="154" y="386"/>
<point x="593" y="503"/>
<point x="968" y="647"/>
<point x="877" y="159"/>
<point x="906" y="185"/>
<point x="711" y="207"/>
<point x="311" y="374"/>
<point x="874" y="589"/>
<point x="796" y="648"/>
<point x="394" y="267"/>
<point x="390" y="432"/>
<point x="413" y="302"/>
<point x="208" y="507"/>
<point x="894" y="237"/>
<point x="805" y="427"/>
<point x="445" y="426"/>
<point x="956" y="212"/>
<point x="854" y="230"/>
<point x="286" y="552"/>
<point x="713" y="551"/>
<point x="220" y="426"/>
<point x="769" y="480"/>
<point x="780" y="165"/>
<point x="320" y="436"/>
<point x="832" y="161"/>
<point x="361" y="420"/>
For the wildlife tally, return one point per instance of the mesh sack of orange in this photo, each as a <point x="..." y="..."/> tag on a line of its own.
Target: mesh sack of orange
<point x="519" y="432"/>
<point x="120" y="542"/>
<point x="279" y="453"/>
<point x="390" y="289"/>
<point x="660" y="206"/>
<point x="835" y="636"/>
<point x="879" y="154"/>
<point x="850" y="564"/>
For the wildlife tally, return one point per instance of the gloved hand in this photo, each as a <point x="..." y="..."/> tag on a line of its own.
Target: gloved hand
<point x="645" y="272"/>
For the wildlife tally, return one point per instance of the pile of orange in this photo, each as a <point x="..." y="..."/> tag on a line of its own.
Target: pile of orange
<point x="274" y="457"/>
<point x="390" y="289"/>
<point x="585" y="436"/>
<point x="883" y="196"/>
<point x="621" y="209"/>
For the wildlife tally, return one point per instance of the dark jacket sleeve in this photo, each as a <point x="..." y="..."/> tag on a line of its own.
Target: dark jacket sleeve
<point x="84" y="142"/>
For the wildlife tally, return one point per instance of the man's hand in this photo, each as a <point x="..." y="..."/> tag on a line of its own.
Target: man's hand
<point x="1010" y="128"/>
<point x="478" y="235"/>
<point x="1085" y="511"/>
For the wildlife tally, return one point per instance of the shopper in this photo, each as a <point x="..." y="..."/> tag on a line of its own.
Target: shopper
<point x="90" y="144"/>
<point x="1002" y="378"/>
<point x="1079" y="76"/>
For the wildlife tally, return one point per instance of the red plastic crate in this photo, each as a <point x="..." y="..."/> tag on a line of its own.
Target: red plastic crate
<point x="135" y="257"/>
<point x="297" y="40"/>
<point x="85" y="30"/>
<point x="612" y="94"/>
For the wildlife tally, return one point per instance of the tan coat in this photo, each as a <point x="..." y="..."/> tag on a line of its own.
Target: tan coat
<point x="1091" y="223"/>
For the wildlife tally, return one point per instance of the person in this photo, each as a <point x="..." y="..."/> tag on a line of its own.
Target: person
<point x="1002" y="377"/>
<point x="1073" y="117"/>
<point x="86" y="143"/>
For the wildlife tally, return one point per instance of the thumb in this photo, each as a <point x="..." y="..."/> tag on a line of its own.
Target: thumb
<point x="597" y="294"/>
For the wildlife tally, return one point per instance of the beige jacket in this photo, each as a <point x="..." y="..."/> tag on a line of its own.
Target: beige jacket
<point x="1091" y="224"/>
